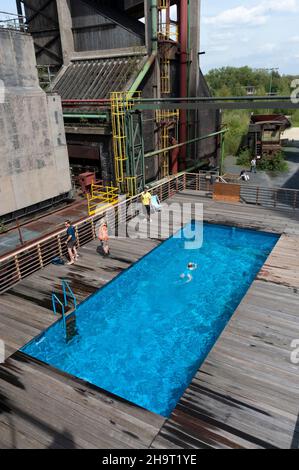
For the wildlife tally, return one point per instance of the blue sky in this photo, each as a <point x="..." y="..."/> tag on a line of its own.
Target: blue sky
<point x="261" y="33"/>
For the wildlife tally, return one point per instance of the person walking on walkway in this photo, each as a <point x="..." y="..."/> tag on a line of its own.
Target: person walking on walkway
<point x="71" y="242"/>
<point x="146" y="199"/>
<point x="104" y="238"/>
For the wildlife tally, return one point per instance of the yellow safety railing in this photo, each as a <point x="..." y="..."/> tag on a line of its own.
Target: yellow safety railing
<point x="165" y="76"/>
<point x="120" y="103"/>
<point x="168" y="32"/>
<point x="101" y="197"/>
<point x="168" y="121"/>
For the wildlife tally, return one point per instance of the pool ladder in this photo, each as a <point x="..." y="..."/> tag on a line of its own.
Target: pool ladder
<point x="69" y="321"/>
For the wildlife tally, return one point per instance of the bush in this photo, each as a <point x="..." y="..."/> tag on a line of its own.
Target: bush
<point x="275" y="163"/>
<point x="237" y="123"/>
<point x="244" y="158"/>
<point x="295" y="118"/>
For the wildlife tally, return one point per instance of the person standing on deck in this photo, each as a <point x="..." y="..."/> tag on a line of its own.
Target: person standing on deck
<point x="104" y="238"/>
<point x="71" y="242"/>
<point x="146" y="199"/>
<point x="253" y="165"/>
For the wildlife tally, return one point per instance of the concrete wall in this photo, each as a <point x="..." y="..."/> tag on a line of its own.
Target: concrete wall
<point x="33" y="154"/>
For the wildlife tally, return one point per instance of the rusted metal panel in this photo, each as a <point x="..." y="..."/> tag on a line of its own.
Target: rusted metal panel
<point x="227" y="192"/>
<point x="95" y="79"/>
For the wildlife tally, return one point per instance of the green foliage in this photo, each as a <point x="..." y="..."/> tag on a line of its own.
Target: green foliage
<point x="237" y="123"/>
<point x="244" y="158"/>
<point x="237" y="79"/>
<point x="231" y="81"/>
<point x="295" y="118"/>
<point x="275" y="163"/>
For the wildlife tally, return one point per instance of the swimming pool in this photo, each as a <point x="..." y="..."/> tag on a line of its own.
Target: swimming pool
<point x="144" y="335"/>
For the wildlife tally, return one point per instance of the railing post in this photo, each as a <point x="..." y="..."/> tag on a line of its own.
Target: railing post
<point x="169" y="190"/>
<point x="59" y="246"/>
<point x="275" y="198"/>
<point x="77" y="235"/>
<point x="257" y="195"/>
<point x="197" y="182"/>
<point x="40" y="256"/>
<point x="161" y="194"/>
<point x="184" y="182"/>
<point x="93" y="229"/>
<point x="18" y="267"/>
<point x="295" y="199"/>
<point x="177" y="184"/>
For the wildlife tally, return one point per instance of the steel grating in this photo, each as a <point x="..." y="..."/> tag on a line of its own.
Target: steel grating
<point x="96" y="78"/>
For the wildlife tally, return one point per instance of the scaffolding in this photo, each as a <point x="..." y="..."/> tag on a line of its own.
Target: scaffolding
<point x="128" y="144"/>
<point x="167" y="121"/>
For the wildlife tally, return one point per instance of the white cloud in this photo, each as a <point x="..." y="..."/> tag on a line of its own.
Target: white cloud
<point x="267" y="47"/>
<point x="294" y="39"/>
<point x="253" y="16"/>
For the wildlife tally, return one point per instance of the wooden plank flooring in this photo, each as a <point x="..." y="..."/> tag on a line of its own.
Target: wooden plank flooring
<point x="245" y="395"/>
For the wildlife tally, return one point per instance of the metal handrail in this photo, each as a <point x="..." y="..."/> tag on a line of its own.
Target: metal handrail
<point x="67" y="288"/>
<point x="21" y="263"/>
<point x="56" y="300"/>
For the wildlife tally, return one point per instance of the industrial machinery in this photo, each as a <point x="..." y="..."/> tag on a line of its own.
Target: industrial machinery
<point x="108" y="56"/>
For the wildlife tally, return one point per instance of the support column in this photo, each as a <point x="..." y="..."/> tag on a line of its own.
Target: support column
<point x="194" y="70"/>
<point x="183" y="76"/>
<point x="66" y="33"/>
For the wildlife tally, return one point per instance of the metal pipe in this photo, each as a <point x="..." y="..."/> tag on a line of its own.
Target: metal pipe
<point x="183" y="75"/>
<point x="222" y="154"/>
<point x="192" y="141"/>
<point x="154" y="12"/>
<point x="85" y="116"/>
<point x="143" y="72"/>
<point x="212" y="98"/>
<point x="154" y="47"/>
<point x="87" y="101"/>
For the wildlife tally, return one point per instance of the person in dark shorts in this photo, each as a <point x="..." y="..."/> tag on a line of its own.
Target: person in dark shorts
<point x="71" y="242"/>
<point x="146" y="199"/>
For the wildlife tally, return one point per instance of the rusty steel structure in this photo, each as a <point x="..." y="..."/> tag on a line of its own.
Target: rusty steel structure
<point x="96" y="49"/>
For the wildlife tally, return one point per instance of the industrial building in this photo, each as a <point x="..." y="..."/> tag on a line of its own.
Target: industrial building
<point x="103" y="57"/>
<point x="34" y="170"/>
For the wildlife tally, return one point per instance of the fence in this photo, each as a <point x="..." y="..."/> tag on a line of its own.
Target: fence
<point x="20" y="263"/>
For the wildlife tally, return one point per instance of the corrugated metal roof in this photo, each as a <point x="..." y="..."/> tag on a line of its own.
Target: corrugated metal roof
<point x="96" y="78"/>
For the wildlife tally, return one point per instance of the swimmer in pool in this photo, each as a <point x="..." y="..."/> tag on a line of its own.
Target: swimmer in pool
<point x="186" y="277"/>
<point x="192" y="266"/>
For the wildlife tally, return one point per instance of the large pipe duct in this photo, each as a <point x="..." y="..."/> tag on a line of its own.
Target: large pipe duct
<point x="183" y="77"/>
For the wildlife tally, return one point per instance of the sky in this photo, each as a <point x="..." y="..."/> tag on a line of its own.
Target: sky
<point x="258" y="33"/>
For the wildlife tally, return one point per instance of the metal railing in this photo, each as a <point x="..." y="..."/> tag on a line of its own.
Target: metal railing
<point x="56" y="301"/>
<point x="19" y="264"/>
<point x="12" y="22"/>
<point x="101" y="196"/>
<point x="67" y="291"/>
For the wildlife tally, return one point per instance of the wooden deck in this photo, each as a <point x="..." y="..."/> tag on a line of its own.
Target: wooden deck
<point x="245" y="395"/>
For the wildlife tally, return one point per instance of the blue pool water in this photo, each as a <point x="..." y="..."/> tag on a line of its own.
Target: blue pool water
<point x="144" y="335"/>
